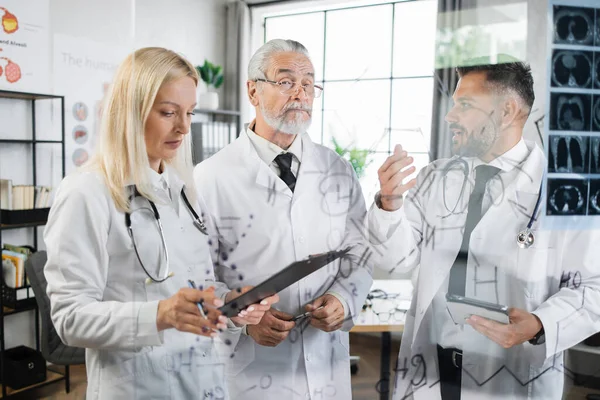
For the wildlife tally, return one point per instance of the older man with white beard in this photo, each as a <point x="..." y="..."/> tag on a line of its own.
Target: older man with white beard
<point x="275" y="197"/>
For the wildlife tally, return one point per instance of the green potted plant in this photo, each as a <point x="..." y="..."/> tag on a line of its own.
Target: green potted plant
<point x="212" y="75"/>
<point x="356" y="157"/>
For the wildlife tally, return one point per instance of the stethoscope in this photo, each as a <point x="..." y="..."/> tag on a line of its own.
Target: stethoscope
<point x="525" y="237"/>
<point x="464" y="167"/>
<point x="197" y="223"/>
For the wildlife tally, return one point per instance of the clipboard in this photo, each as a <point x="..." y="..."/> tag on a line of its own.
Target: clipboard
<point x="281" y="280"/>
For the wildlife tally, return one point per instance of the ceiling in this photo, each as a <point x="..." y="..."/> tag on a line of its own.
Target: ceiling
<point x="249" y="2"/>
<point x="257" y="2"/>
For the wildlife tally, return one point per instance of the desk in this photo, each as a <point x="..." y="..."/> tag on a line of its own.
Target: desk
<point x="369" y="321"/>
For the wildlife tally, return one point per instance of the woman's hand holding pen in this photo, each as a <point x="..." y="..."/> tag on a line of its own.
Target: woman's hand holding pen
<point x="181" y="311"/>
<point x="253" y="313"/>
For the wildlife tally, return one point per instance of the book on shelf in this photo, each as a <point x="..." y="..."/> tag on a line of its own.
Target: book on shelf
<point x="6" y="192"/>
<point x="13" y="264"/>
<point x="13" y="268"/>
<point x="26" y="250"/>
<point x="23" y="197"/>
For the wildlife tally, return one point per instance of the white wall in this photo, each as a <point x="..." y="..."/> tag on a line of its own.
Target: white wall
<point x="537" y="54"/>
<point x="195" y="28"/>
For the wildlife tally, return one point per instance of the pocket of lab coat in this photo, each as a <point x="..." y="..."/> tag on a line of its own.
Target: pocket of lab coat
<point x="243" y="355"/>
<point x="344" y="341"/>
<point x="139" y="377"/>
<point x="121" y="364"/>
<point x="535" y="265"/>
<point x="336" y="209"/>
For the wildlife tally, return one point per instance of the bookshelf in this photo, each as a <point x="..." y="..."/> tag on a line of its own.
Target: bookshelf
<point x="26" y="302"/>
<point x="212" y="130"/>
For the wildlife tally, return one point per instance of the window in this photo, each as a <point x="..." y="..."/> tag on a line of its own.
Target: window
<point x="376" y="65"/>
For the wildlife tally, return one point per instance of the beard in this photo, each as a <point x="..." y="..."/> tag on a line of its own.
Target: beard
<point x="282" y="123"/>
<point x="477" y="142"/>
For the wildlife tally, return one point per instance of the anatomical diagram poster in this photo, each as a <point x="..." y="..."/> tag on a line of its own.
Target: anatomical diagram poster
<point x="83" y="71"/>
<point x="25" y="45"/>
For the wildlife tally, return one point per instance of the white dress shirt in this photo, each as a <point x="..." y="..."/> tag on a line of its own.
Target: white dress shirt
<point x="267" y="151"/>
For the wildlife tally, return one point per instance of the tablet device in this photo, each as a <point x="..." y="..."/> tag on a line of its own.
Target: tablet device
<point x="461" y="308"/>
<point x="281" y="280"/>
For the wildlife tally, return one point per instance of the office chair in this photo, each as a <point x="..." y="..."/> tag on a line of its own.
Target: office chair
<point x="53" y="349"/>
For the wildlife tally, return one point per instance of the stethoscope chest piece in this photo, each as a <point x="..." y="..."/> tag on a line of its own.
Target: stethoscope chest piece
<point x="200" y="226"/>
<point x="525" y="239"/>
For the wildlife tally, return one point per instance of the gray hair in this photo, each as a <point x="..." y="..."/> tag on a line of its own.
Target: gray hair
<point x="260" y="60"/>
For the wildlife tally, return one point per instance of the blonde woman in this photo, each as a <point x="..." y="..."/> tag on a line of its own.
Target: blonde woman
<point x="126" y="239"/>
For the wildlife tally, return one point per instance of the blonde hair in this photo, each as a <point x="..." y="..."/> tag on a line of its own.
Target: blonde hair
<point x="121" y="155"/>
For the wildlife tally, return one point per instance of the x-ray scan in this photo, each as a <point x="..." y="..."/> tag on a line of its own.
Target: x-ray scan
<point x="595" y="161"/>
<point x="596" y="114"/>
<point x="574" y="25"/>
<point x="594" y="206"/>
<point x="572" y="136"/>
<point x="570" y="112"/>
<point x="568" y="154"/>
<point x="567" y="197"/>
<point x="572" y="69"/>
<point x="596" y="71"/>
<point x="597" y="27"/>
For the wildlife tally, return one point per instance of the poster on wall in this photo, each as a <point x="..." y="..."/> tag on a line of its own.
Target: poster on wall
<point x="25" y="45"/>
<point x="573" y="117"/>
<point x="83" y="70"/>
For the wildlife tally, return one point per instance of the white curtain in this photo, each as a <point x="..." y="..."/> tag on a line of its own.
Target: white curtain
<point x="237" y="56"/>
<point x="450" y="16"/>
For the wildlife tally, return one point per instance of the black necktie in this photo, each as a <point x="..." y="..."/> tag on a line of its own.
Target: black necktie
<point x="458" y="273"/>
<point x="284" y="161"/>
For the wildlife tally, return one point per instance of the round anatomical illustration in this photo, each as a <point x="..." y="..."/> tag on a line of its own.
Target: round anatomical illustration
<point x="80" y="134"/>
<point x="10" y="23"/>
<point x="11" y="70"/>
<point x="80" y="156"/>
<point x="80" y="111"/>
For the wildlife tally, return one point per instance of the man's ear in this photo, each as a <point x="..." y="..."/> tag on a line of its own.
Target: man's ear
<point x="252" y="93"/>
<point x="512" y="112"/>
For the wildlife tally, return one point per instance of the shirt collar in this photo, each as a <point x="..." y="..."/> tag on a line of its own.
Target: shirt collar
<point x="267" y="151"/>
<point x="510" y="159"/>
<point x="160" y="181"/>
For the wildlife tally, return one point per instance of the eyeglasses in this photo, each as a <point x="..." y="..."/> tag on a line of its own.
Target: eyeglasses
<point x="289" y="87"/>
<point x="397" y="314"/>
<point x="380" y="294"/>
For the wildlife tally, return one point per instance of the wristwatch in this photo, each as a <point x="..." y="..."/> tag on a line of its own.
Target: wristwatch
<point x="539" y="338"/>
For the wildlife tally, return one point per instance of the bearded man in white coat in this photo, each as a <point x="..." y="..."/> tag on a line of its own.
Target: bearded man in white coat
<point x="276" y="197"/>
<point x="460" y="221"/>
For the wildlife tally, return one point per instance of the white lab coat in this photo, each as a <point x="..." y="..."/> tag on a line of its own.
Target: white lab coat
<point x="263" y="228"/>
<point x="100" y="299"/>
<point x="428" y="236"/>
